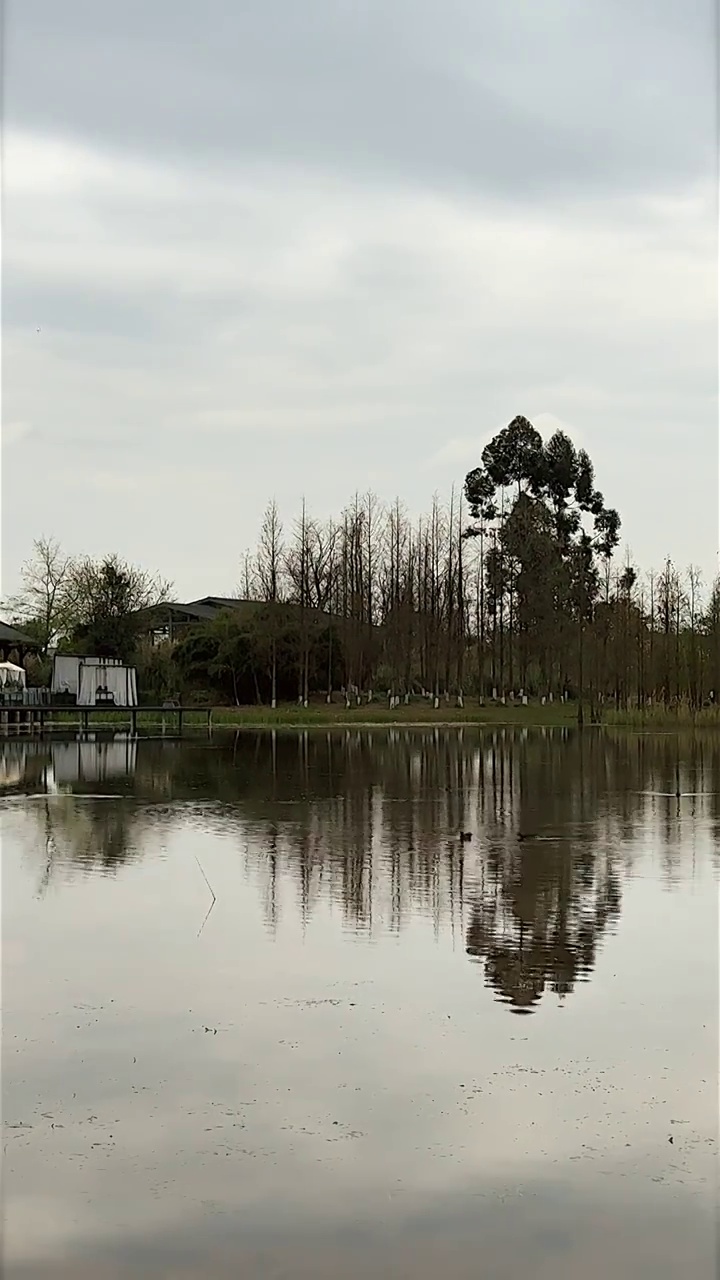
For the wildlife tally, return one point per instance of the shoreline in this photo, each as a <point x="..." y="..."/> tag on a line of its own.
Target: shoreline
<point x="552" y="716"/>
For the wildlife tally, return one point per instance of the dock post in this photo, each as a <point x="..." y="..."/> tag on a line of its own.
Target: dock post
<point x="180" y="719"/>
<point x="133" y="721"/>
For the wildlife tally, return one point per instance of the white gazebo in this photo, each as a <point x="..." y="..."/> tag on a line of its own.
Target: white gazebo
<point x="12" y="676"/>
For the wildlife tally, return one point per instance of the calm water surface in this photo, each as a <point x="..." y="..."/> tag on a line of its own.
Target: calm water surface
<point x="377" y="1050"/>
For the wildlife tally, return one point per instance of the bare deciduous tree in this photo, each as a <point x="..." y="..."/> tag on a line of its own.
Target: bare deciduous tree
<point x="43" y="598"/>
<point x="269" y="573"/>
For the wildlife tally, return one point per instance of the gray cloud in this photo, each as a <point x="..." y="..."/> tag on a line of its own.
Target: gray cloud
<point x="524" y="100"/>
<point x="281" y="248"/>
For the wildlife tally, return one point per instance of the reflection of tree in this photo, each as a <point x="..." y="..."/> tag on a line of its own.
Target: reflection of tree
<point x="75" y="785"/>
<point x="367" y="822"/>
<point x="539" y="917"/>
<point x="87" y="834"/>
<point x="543" y="903"/>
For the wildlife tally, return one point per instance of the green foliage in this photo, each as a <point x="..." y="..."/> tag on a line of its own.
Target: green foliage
<point x="104" y="604"/>
<point x="38" y="671"/>
<point x="376" y="601"/>
<point x="40" y="608"/>
<point x="159" y="676"/>
<point x="234" y="655"/>
<point x="553" y="473"/>
<point x="513" y="456"/>
<point x="549" y="530"/>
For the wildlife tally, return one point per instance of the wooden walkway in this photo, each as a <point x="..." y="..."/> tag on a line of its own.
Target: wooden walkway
<point x="41" y="719"/>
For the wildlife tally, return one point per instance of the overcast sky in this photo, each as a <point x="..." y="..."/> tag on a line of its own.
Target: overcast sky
<point x="287" y="247"/>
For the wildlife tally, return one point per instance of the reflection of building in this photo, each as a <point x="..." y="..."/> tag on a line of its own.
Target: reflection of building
<point x="92" y="761"/>
<point x="11" y="769"/>
<point x="46" y="765"/>
<point x="23" y="765"/>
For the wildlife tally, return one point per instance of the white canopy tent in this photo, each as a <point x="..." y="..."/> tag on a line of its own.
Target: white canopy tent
<point x="66" y="671"/>
<point x="10" y="674"/>
<point x="114" y="684"/>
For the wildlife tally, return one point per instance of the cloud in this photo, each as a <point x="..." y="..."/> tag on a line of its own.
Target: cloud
<point x="521" y="102"/>
<point x="298" y="253"/>
<point x="463" y="452"/>
<point x="13" y="432"/>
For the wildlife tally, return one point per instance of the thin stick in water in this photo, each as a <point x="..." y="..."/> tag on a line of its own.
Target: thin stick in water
<point x="207" y="917"/>
<point x="205" y="879"/>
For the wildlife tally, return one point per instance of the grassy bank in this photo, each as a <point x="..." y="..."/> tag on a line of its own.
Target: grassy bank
<point x="320" y="714"/>
<point x="659" y="717"/>
<point x="419" y="713"/>
<point x="556" y="714"/>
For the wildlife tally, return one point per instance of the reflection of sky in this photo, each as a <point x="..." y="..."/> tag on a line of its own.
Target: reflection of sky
<point x="439" y="1096"/>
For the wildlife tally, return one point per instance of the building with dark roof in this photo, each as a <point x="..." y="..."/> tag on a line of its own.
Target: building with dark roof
<point x="169" y="620"/>
<point x="15" y="642"/>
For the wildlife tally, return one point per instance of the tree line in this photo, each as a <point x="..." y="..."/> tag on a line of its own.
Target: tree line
<point x="512" y="587"/>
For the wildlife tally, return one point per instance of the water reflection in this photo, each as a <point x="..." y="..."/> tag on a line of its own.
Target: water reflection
<point x="314" y="1074"/>
<point x="371" y="821"/>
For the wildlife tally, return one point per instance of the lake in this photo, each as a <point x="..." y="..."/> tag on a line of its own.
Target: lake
<point x="267" y="1015"/>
